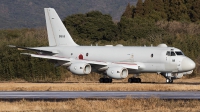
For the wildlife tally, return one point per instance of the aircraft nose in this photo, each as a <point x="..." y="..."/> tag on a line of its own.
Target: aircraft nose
<point x="187" y="64"/>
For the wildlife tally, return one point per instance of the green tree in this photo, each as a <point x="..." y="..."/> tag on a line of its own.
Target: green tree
<point x="128" y="11"/>
<point x="137" y="28"/>
<point x="159" y="10"/>
<point x="148" y="8"/>
<point x="194" y="10"/>
<point x="139" y="9"/>
<point x="178" y="10"/>
<point x="92" y="26"/>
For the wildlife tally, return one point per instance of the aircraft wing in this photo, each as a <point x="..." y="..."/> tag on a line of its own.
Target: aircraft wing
<point x="47" y="57"/>
<point x="64" y="59"/>
<point x="104" y="65"/>
<point x="128" y="65"/>
<point x="32" y="49"/>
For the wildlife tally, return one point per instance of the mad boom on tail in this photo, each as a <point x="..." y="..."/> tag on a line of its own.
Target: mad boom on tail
<point x="115" y="62"/>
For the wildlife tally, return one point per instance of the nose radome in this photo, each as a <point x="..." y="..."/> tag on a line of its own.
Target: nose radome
<point x="187" y="64"/>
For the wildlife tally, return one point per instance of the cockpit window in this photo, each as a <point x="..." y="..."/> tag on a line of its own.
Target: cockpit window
<point x="179" y="53"/>
<point x="173" y="54"/>
<point x="168" y="53"/>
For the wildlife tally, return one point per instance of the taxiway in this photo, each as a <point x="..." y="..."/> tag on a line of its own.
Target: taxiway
<point x="62" y="95"/>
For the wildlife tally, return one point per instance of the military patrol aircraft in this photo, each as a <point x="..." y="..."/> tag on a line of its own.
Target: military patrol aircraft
<point x="115" y="62"/>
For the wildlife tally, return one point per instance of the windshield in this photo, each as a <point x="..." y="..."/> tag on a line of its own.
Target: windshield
<point x="172" y="53"/>
<point x="179" y="53"/>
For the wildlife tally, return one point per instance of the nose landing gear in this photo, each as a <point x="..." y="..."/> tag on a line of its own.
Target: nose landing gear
<point x="169" y="80"/>
<point x="168" y="76"/>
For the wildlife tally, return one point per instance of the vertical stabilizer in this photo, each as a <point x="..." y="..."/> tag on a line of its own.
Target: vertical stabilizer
<point x="57" y="33"/>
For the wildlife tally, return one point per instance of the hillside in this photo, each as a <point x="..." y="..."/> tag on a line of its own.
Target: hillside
<point x="30" y="13"/>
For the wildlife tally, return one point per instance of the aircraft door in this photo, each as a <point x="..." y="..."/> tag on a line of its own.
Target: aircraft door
<point x="168" y="55"/>
<point x="173" y="57"/>
<point x="171" y="61"/>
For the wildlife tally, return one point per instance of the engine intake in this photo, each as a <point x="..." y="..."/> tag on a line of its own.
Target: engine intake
<point x="80" y="68"/>
<point x="117" y="72"/>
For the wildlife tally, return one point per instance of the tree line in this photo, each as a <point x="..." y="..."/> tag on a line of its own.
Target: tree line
<point x="170" y="10"/>
<point x="139" y="25"/>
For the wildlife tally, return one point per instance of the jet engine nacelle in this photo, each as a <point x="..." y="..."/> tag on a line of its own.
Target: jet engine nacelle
<point x="80" y="68"/>
<point x="117" y="72"/>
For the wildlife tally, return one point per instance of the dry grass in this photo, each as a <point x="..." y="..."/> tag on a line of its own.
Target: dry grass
<point x="112" y="105"/>
<point x="118" y="85"/>
<point x="99" y="87"/>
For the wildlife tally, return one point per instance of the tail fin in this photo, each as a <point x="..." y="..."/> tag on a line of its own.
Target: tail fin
<point x="57" y="33"/>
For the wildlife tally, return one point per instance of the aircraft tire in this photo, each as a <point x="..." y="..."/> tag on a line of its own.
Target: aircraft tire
<point x="105" y="80"/>
<point x="110" y="80"/>
<point x="101" y="80"/>
<point x="138" y="80"/>
<point x="169" y="80"/>
<point x="134" y="80"/>
<point x="130" y="80"/>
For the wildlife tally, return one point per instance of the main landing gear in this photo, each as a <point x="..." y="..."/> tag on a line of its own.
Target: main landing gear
<point x="134" y="80"/>
<point x="105" y="80"/>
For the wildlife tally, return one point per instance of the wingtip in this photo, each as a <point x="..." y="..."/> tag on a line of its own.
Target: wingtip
<point x="25" y="53"/>
<point x="11" y="46"/>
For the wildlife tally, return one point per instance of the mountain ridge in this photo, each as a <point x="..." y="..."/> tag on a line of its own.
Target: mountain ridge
<point x="30" y="13"/>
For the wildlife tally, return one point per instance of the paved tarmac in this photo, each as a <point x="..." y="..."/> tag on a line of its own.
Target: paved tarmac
<point x="58" y="95"/>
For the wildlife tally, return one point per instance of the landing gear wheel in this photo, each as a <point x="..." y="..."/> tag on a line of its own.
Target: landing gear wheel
<point x="169" y="80"/>
<point x="110" y="80"/>
<point x="130" y="80"/>
<point x="101" y="80"/>
<point x="134" y="80"/>
<point x="105" y="80"/>
<point x="138" y="80"/>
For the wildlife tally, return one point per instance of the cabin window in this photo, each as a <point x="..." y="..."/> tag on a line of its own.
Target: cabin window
<point x="151" y="55"/>
<point x="179" y="53"/>
<point x="173" y="54"/>
<point x="87" y="54"/>
<point x="71" y="53"/>
<point x="168" y="53"/>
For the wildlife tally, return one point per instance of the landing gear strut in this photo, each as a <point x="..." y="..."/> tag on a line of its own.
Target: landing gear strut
<point x="168" y="76"/>
<point x="134" y="80"/>
<point x="105" y="80"/>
